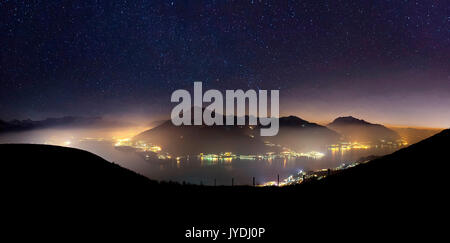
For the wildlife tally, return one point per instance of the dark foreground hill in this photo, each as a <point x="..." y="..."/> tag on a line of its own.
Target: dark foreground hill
<point x="385" y="199"/>
<point x="419" y="168"/>
<point x="54" y="167"/>
<point x="45" y="168"/>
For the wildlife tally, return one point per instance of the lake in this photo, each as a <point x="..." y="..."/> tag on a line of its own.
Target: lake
<point x="191" y="170"/>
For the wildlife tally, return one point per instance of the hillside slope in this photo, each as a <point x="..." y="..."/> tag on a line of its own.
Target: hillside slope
<point x="419" y="166"/>
<point x="30" y="167"/>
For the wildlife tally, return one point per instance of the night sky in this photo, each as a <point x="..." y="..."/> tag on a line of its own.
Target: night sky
<point x="383" y="61"/>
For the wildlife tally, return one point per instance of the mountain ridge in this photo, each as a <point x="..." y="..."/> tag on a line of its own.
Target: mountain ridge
<point x="354" y="129"/>
<point x="66" y="121"/>
<point x="294" y="133"/>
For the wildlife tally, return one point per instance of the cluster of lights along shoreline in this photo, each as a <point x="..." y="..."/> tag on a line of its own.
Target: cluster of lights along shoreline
<point x="151" y="151"/>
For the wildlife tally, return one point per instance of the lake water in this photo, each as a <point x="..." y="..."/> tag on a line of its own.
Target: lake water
<point x="192" y="170"/>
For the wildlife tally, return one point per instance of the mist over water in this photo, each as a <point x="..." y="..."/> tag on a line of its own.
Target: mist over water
<point x="100" y="141"/>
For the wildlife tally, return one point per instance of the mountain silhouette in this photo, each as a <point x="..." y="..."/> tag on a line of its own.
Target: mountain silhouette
<point x="192" y="140"/>
<point x="301" y="135"/>
<point x="353" y="129"/>
<point x="67" y="121"/>
<point x="294" y="133"/>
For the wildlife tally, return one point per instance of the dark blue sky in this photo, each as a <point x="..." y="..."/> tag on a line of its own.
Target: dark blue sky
<point x="386" y="61"/>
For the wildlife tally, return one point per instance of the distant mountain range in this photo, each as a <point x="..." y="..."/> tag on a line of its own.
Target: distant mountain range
<point x="67" y="121"/>
<point x="294" y="133"/>
<point x="353" y="129"/>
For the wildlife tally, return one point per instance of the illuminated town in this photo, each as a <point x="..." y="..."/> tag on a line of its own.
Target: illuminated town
<point x="141" y="146"/>
<point x="228" y="157"/>
<point x="154" y="152"/>
<point x="303" y="176"/>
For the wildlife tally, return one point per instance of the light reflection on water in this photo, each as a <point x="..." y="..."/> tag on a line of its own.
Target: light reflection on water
<point x="193" y="170"/>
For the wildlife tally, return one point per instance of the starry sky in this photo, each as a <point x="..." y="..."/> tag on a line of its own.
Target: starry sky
<point x="383" y="61"/>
